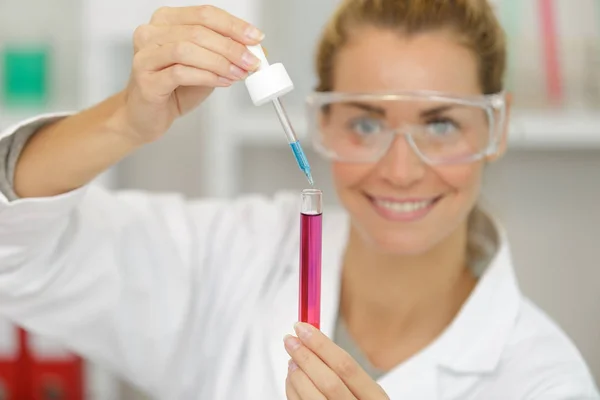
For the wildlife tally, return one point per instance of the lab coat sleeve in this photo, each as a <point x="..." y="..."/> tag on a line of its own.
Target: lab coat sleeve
<point x="560" y="389"/>
<point x="564" y="382"/>
<point x="554" y="370"/>
<point x="115" y="276"/>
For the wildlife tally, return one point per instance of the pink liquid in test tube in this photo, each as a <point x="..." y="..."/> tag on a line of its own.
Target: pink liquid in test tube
<point x="311" y="215"/>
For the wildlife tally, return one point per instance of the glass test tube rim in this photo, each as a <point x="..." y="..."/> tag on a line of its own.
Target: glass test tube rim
<point x="312" y="202"/>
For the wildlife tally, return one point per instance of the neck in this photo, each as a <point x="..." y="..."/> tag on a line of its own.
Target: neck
<point x="386" y="297"/>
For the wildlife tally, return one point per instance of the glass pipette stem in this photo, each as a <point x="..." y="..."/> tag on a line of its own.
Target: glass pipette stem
<point x="293" y="140"/>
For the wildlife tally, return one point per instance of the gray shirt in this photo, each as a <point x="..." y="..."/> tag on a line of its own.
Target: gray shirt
<point x="342" y="338"/>
<point x="10" y="150"/>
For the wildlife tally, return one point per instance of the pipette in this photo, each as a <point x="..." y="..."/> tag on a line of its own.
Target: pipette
<point x="268" y="84"/>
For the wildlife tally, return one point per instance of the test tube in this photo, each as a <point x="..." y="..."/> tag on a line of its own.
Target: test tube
<point x="311" y="215"/>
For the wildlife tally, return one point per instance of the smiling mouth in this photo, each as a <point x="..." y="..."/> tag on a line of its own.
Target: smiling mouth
<point x="403" y="210"/>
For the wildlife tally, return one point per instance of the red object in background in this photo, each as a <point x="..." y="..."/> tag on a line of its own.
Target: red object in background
<point x="33" y="368"/>
<point x="55" y="375"/>
<point x="11" y="363"/>
<point x="10" y="379"/>
<point x="549" y="35"/>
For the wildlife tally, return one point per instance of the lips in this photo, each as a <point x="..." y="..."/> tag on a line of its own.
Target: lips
<point x="405" y="210"/>
<point x="403" y="206"/>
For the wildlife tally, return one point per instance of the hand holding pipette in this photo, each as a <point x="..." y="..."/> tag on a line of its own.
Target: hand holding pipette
<point x="267" y="84"/>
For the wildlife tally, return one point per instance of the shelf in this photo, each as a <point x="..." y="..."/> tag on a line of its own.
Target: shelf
<point x="11" y="118"/>
<point x="562" y="129"/>
<point x="535" y="130"/>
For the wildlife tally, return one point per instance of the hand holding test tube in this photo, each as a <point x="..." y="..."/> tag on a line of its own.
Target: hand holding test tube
<point x="311" y="215"/>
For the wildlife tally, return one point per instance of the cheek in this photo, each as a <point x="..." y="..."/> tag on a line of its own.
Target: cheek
<point x="347" y="175"/>
<point x="464" y="179"/>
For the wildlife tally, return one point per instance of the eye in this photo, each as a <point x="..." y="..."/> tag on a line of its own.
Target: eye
<point x="366" y="126"/>
<point x="442" y="127"/>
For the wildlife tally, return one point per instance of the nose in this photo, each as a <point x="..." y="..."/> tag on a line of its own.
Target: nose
<point x="401" y="166"/>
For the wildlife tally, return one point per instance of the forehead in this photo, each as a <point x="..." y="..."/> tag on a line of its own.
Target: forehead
<point x="382" y="60"/>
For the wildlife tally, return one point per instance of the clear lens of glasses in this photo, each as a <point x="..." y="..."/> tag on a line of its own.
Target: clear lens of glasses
<point x="441" y="130"/>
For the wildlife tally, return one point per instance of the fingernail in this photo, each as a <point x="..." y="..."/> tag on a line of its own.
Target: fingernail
<point x="237" y="72"/>
<point x="303" y="330"/>
<point x="250" y="61"/>
<point x="254" y="33"/>
<point x="292" y="366"/>
<point x="224" y="81"/>
<point x="291" y="343"/>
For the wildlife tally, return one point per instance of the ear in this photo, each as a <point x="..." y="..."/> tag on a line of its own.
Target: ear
<point x="503" y="145"/>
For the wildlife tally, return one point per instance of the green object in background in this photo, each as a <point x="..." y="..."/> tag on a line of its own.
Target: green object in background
<point x="510" y="16"/>
<point x="25" y="76"/>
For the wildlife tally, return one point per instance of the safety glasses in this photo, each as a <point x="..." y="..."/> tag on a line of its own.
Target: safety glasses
<point x="440" y="128"/>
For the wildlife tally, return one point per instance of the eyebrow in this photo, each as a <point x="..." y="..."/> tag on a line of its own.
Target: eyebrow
<point x="437" y="110"/>
<point x="368" y="107"/>
<point x="381" y="111"/>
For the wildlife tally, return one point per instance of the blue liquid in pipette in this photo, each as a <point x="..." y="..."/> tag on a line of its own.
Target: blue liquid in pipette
<point x="302" y="161"/>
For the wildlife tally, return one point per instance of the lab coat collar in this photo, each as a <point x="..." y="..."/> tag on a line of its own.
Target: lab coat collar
<point x="475" y="340"/>
<point x="472" y="343"/>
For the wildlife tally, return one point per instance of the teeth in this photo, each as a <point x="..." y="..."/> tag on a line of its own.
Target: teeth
<point x="404" y="207"/>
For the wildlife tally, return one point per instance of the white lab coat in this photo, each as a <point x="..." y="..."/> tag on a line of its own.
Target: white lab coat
<point x="191" y="300"/>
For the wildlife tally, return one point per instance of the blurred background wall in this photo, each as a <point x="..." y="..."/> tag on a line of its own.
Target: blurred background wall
<point x="547" y="189"/>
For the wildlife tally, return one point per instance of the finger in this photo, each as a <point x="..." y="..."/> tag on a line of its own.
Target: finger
<point x="166" y="81"/>
<point x="302" y="384"/>
<point x="326" y="381"/>
<point x="290" y="391"/>
<point x="341" y="363"/>
<point x="186" y="53"/>
<point x="211" y="17"/>
<point x="237" y="53"/>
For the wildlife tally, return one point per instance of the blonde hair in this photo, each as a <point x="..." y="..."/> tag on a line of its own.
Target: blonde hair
<point x="472" y="21"/>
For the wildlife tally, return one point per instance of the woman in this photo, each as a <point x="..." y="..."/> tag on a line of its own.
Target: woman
<point x="190" y="300"/>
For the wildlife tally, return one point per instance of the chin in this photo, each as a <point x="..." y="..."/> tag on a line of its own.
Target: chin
<point x="396" y="243"/>
<point x="400" y="244"/>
